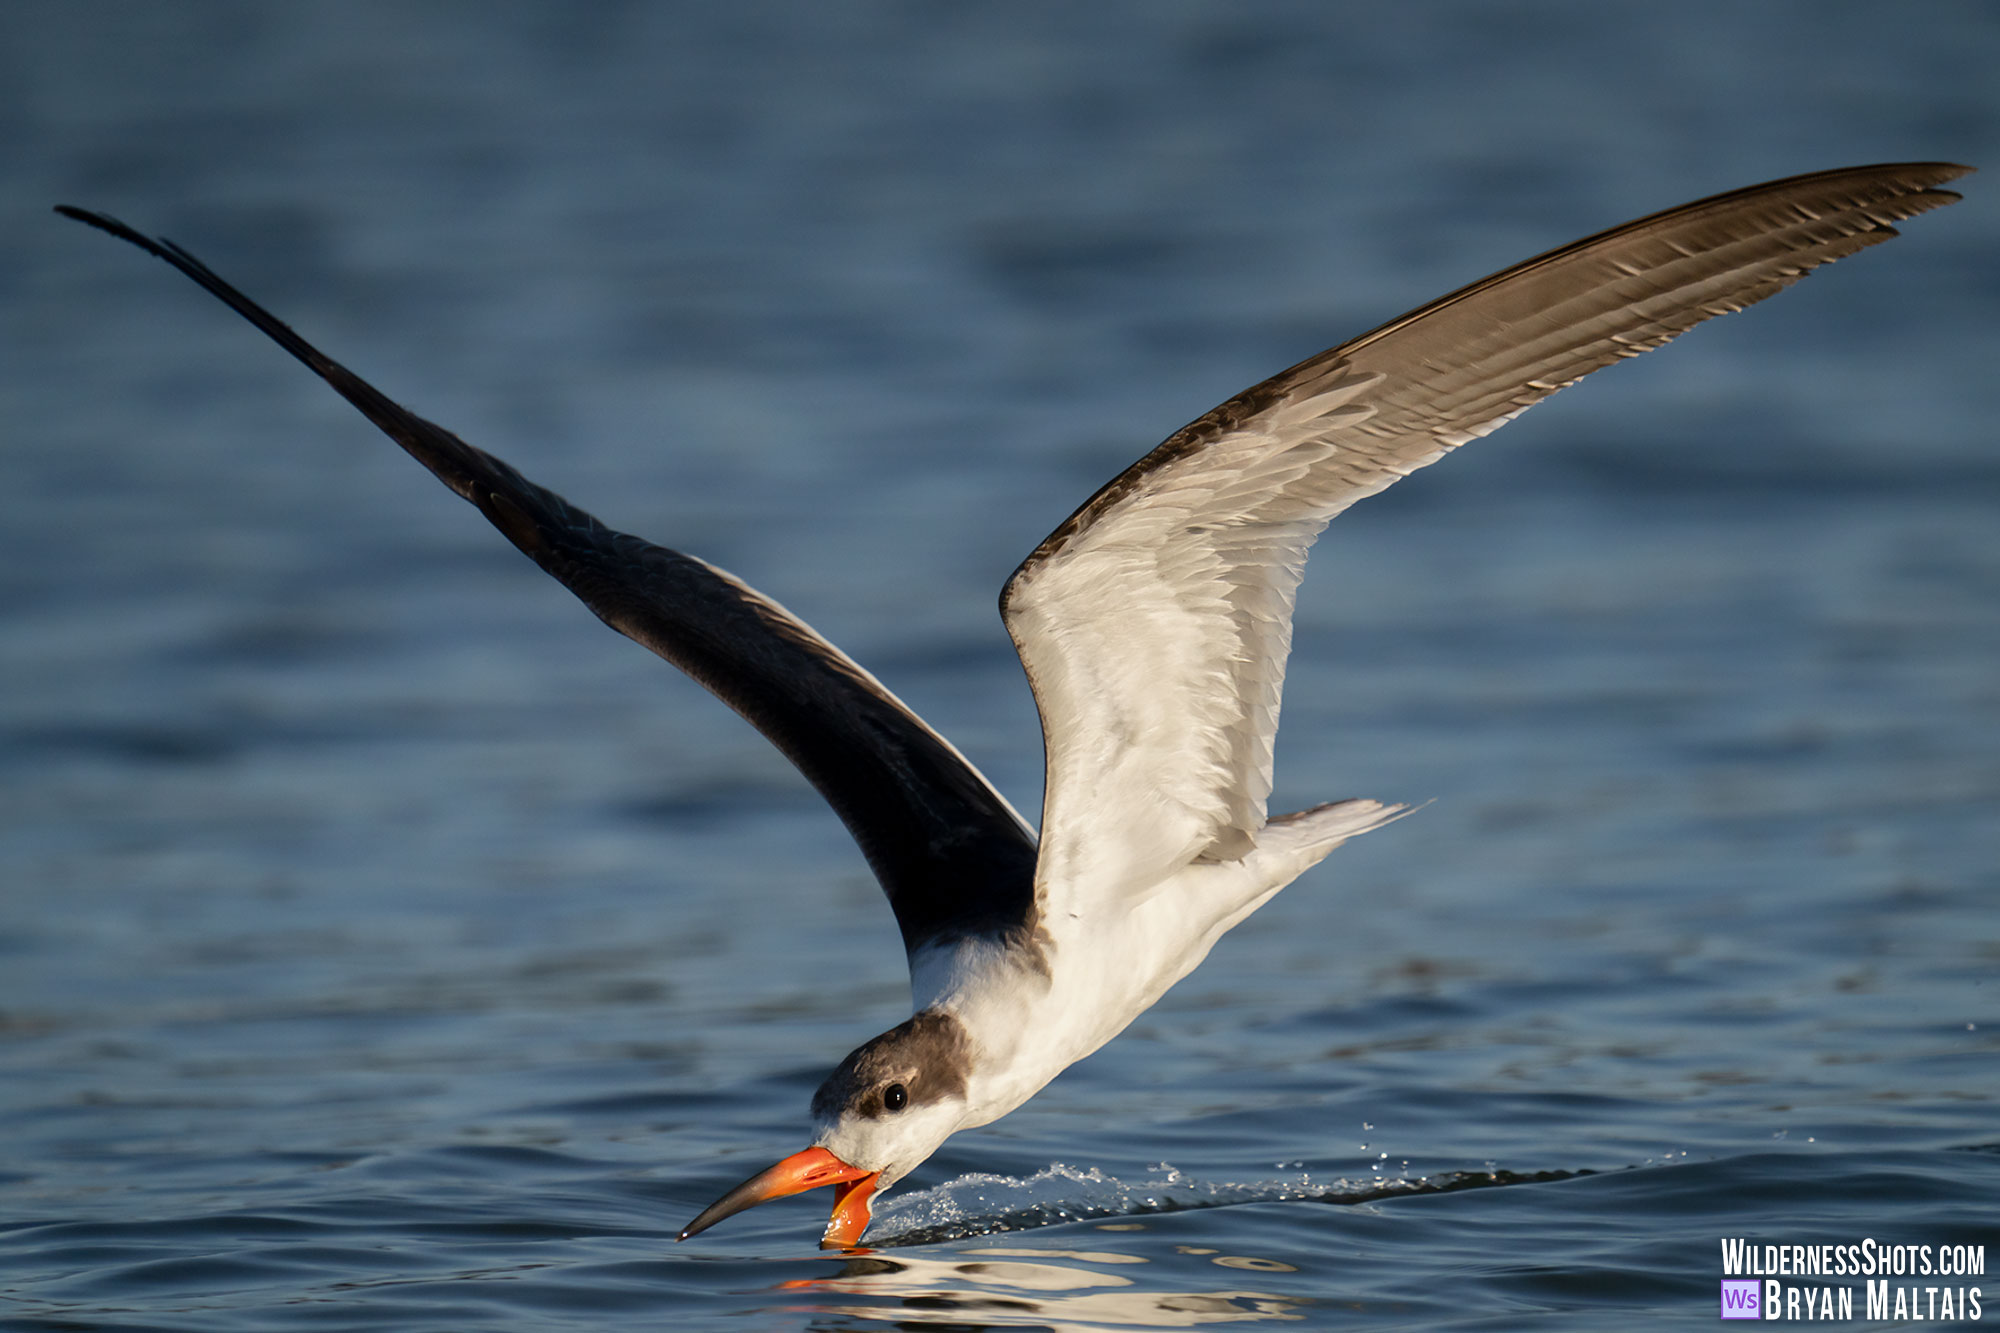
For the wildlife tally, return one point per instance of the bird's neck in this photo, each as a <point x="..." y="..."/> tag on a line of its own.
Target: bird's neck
<point x="1031" y="1007"/>
<point x="1001" y="995"/>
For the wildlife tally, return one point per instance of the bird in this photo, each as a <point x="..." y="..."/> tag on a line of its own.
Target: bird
<point x="1154" y="625"/>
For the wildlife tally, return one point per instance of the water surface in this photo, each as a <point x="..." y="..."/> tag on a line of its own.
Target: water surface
<point x="384" y="945"/>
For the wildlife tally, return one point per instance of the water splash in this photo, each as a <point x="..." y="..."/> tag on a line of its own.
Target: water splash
<point x="984" y="1204"/>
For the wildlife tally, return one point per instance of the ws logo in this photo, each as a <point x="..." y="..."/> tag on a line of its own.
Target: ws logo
<point x="1739" y="1298"/>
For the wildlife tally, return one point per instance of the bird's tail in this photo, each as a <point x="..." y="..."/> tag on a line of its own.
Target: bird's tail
<point x="1290" y="845"/>
<point x="1311" y="834"/>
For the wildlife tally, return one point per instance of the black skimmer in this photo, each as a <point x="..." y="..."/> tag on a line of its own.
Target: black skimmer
<point x="1154" y="625"/>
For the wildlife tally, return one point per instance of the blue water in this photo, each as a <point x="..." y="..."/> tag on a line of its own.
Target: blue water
<point x="385" y="945"/>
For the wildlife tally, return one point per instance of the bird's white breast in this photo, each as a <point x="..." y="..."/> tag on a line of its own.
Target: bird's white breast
<point x="1030" y="1014"/>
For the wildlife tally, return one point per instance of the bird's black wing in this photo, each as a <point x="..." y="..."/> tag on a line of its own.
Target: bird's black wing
<point x="952" y="855"/>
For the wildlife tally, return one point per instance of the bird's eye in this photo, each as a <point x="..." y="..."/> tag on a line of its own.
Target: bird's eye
<point x="895" y="1097"/>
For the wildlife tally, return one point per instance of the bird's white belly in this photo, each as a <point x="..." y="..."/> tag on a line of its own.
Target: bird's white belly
<point x="1027" y="1025"/>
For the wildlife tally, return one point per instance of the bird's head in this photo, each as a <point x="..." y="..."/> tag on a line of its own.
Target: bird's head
<point x="881" y="1113"/>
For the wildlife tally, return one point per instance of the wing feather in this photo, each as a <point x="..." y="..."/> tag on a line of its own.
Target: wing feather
<point x="1155" y="622"/>
<point x="952" y="855"/>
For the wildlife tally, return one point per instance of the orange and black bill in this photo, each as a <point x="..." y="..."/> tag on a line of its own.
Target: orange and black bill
<point x="800" y="1172"/>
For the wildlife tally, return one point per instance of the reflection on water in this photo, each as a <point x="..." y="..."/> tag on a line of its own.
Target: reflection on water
<point x="1053" y="1288"/>
<point x="1060" y="1288"/>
